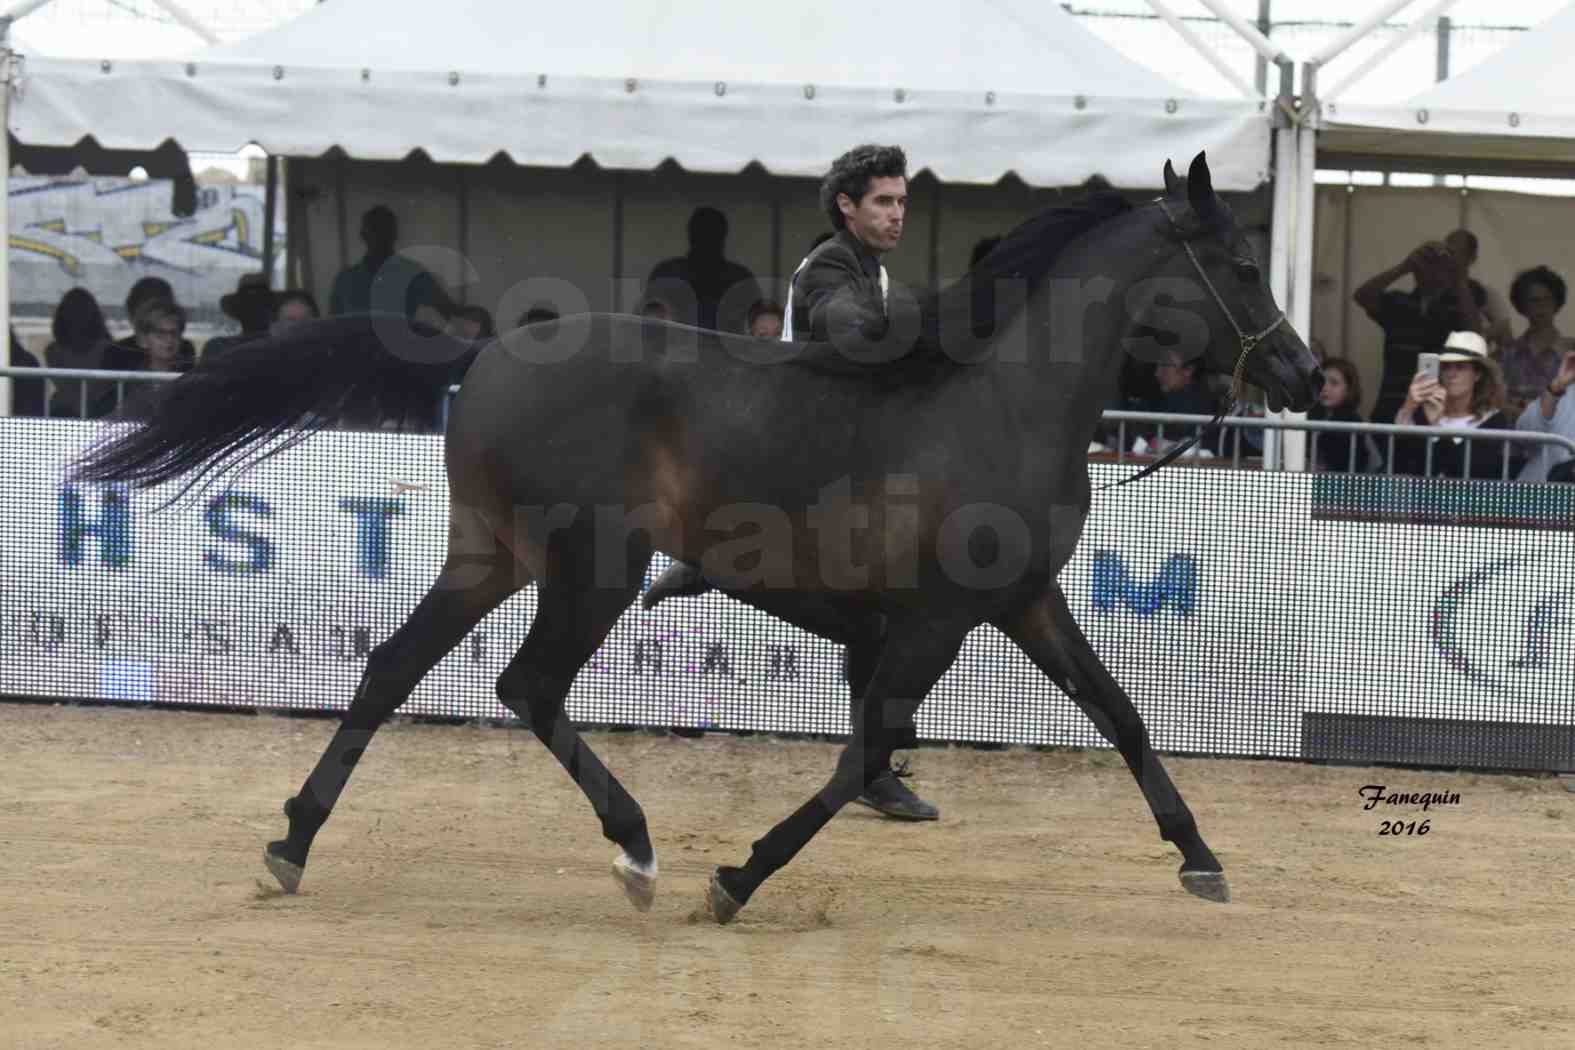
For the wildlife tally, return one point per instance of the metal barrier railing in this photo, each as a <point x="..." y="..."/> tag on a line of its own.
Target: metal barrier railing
<point x="1392" y="431"/>
<point x="84" y="376"/>
<point x="1184" y="424"/>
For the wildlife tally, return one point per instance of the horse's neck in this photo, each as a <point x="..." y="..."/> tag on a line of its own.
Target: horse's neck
<point x="1074" y="329"/>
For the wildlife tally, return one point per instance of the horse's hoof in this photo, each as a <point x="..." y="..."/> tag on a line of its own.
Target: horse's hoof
<point x="721" y="903"/>
<point x="1210" y="885"/>
<point x="638" y="881"/>
<point x="287" y="872"/>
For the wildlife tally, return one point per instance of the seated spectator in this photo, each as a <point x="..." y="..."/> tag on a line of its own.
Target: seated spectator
<point x="1182" y="391"/>
<point x="27" y="395"/>
<point x="1339" y="402"/>
<point x="252" y="304"/>
<point x="1469" y="394"/>
<point x="158" y="328"/>
<point x="1531" y="359"/>
<point x="765" y="319"/>
<point x="471" y="322"/>
<point x="81" y="340"/>
<point x="293" y="306"/>
<point x="145" y="290"/>
<point x="1553" y="412"/>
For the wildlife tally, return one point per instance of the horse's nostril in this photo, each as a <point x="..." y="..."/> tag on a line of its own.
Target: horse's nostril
<point x="1315" y="380"/>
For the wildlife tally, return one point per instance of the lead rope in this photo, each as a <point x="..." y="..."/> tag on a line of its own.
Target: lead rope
<point x="1248" y="344"/>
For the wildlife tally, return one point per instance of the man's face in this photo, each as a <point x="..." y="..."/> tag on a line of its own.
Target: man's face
<point x="876" y="219"/>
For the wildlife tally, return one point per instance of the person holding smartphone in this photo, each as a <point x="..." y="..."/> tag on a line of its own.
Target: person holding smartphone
<point x="1460" y="386"/>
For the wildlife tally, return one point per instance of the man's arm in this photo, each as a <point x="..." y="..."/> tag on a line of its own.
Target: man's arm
<point x="1371" y="293"/>
<point x="836" y="309"/>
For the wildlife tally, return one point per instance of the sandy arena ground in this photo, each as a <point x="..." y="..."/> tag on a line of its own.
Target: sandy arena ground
<point x="461" y="898"/>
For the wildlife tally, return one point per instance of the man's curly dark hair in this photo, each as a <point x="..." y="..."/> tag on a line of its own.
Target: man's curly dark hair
<point x="851" y="174"/>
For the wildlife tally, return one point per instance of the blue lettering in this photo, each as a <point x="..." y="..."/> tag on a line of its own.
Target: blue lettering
<point x="222" y="525"/>
<point x="372" y="517"/>
<point x="113" y="527"/>
<point x="1176" y="585"/>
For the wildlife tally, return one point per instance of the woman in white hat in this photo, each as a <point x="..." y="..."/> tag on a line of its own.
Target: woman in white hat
<point x="1468" y="393"/>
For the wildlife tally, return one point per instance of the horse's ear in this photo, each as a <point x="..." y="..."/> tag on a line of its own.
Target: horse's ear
<point x="1200" y="186"/>
<point x="1172" y="181"/>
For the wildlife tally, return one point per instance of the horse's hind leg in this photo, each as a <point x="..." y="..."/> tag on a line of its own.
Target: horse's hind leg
<point x="573" y="617"/>
<point x="913" y="658"/>
<point x="1049" y="634"/>
<point x="470" y="586"/>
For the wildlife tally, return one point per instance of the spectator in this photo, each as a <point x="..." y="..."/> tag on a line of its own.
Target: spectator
<point x="697" y="286"/>
<point x="27" y="395"/>
<point x="81" y="340"/>
<point x="1182" y="391"/>
<point x="1469" y="394"/>
<point x="1531" y="360"/>
<point x="765" y="319"/>
<point x="1442" y="302"/>
<point x="1462" y="244"/>
<point x="385" y="281"/>
<point x="294" y="306"/>
<point x="1339" y="402"/>
<point x="145" y="290"/>
<point x="252" y="304"/>
<point x="472" y="322"/>
<point x="1553" y="412"/>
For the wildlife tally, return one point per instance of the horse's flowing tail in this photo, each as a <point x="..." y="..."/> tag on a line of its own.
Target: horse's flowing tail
<point x="219" y="417"/>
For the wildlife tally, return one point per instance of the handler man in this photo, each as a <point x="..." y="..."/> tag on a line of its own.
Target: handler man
<point x="840" y="294"/>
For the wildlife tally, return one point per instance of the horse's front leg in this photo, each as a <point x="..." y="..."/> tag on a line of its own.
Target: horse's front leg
<point x="1050" y="635"/>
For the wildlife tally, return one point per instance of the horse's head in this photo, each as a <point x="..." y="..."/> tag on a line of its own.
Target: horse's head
<point x="1214" y="273"/>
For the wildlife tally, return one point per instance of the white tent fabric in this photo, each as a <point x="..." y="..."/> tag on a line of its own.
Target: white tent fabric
<point x="1516" y="106"/>
<point x="976" y="88"/>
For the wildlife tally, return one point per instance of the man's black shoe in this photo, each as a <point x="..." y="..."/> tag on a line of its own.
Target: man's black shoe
<point x="887" y="794"/>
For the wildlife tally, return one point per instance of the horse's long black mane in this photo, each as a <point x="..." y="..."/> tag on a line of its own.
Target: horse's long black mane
<point x="967" y="312"/>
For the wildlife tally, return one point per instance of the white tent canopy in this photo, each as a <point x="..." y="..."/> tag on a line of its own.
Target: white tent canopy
<point x="976" y="88"/>
<point x="1512" y="114"/>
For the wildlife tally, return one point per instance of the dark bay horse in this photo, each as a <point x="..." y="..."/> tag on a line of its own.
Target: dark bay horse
<point x="892" y="508"/>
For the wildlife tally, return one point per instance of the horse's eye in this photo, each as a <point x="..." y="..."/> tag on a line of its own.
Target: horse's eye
<point x="1248" y="273"/>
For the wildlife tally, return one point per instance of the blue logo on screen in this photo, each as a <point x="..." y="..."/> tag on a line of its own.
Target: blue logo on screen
<point x="97" y="528"/>
<point x="1174" y="585"/>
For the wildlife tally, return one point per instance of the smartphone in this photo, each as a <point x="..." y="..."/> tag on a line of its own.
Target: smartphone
<point x="1427" y="365"/>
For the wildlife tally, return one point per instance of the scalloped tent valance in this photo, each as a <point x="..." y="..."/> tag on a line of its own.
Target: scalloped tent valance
<point x="975" y="90"/>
